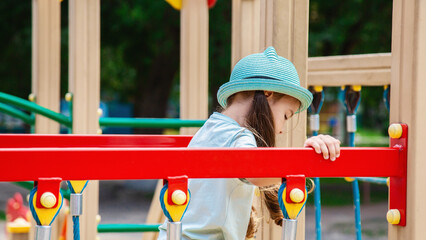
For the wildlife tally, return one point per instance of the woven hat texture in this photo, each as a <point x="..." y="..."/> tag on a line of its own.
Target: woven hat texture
<point x="265" y="71"/>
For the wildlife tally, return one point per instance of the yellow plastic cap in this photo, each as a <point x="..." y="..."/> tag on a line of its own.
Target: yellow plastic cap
<point x="349" y="179"/>
<point x="388" y="182"/>
<point x="99" y="131"/>
<point x="393" y="216"/>
<point x="68" y="97"/>
<point x="176" y="4"/>
<point x="395" y="130"/>
<point x="178" y="197"/>
<point x="48" y="200"/>
<point x="98" y="218"/>
<point x="100" y="112"/>
<point x="297" y="195"/>
<point x="356" y="88"/>
<point x="318" y="88"/>
<point x="31" y="97"/>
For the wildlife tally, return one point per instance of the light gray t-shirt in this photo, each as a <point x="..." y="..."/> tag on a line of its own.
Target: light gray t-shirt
<point x="219" y="208"/>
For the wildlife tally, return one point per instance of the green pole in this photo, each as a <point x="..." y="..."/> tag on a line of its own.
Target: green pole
<point x="30" y="106"/>
<point x="16" y="113"/>
<point x="150" y="122"/>
<point x="109" y="228"/>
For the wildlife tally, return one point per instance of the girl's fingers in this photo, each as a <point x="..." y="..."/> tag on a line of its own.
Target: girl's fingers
<point x="324" y="148"/>
<point x="312" y="143"/>
<point x="330" y="145"/>
<point x="337" y="146"/>
<point x="316" y="146"/>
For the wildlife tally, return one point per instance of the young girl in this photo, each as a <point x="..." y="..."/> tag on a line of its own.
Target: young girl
<point x="263" y="93"/>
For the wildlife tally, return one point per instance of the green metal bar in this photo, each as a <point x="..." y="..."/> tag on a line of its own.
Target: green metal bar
<point x="16" y="113"/>
<point x="30" y="106"/>
<point x="150" y="122"/>
<point x="27" y="185"/>
<point x="109" y="228"/>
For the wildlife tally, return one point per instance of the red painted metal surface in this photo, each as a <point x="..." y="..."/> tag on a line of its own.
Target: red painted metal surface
<point x="398" y="184"/>
<point x="155" y="163"/>
<point x="102" y="141"/>
<point x="294" y="181"/>
<point x="177" y="183"/>
<point x="48" y="185"/>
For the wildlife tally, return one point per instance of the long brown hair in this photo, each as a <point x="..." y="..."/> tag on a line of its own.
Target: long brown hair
<point x="260" y="122"/>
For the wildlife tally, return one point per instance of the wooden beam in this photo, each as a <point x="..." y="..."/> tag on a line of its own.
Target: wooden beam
<point x="365" y="69"/>
<point x="284" y="25"/>
<point x="46" y="52"/>
<point x="194" y="58"/>
<point x="408" y="105"/>
<point x="350" y="62"/>
<point x="46" y="71"/>
<point x="194" y="45"/>
<point x="84" y="83"/>
<point x="290" y="38"/>
<point x="374" y="77"/>
<point x="245" y="29"/>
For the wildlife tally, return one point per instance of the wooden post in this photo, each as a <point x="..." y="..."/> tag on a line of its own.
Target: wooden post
<point x="284" y="25"/>
<point x="46" y="59"/>
<point x="408" y="101"/>
<point x="84" y="83"/>
<point x="245" y="28"/>
<point x="194" y="55"/>
<point x="46" y="52"/>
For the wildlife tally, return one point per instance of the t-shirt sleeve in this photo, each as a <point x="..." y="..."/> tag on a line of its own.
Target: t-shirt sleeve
<point x="245" y="139"/>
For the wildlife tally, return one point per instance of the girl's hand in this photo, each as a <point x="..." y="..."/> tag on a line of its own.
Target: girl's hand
<point x="328" y="145"/>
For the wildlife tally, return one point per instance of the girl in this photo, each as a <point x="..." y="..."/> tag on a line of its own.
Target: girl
<point x="263" y="93"/>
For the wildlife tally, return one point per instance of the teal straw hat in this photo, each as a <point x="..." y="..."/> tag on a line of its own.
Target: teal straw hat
<point x="265" y="71"/>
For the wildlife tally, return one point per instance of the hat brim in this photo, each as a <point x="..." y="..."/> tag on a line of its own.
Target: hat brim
<point x="302" y="94"/>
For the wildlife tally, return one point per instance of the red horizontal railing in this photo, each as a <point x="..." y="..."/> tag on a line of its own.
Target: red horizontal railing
<point x="114" y="157"/>
<point x="154" y="163"/>
<point x="66" y="141"/>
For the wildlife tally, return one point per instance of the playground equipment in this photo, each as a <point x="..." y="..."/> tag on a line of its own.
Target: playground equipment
<point x="352" y="100"/>
<point x="256" y="24"/>
<point x="67" y="120"/>
<point x="102" y="151"/>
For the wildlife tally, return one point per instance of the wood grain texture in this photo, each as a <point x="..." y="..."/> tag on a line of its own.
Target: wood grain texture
<point x="364" y="69"/>
<point x="46" y="49"/>
<point x="408" y="105"/>
<point x="194" y="62"/>
<point x="84" y="83"/>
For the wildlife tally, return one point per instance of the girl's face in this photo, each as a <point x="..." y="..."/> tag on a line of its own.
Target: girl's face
<point x="282" y="107"/>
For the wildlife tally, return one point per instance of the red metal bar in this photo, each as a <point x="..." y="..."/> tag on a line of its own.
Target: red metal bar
<point x="51" y="185"/>
<point x="176" y="183"/>
<point x="87" y="141"/>
<point x="292" y="182"/>
<point x="154" y="163"/>
<point x="398" y="184"/>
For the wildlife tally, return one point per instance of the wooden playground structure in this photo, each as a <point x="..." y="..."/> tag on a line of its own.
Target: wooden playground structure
<point x="256" y="24"/>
